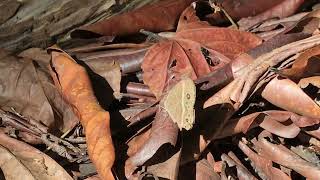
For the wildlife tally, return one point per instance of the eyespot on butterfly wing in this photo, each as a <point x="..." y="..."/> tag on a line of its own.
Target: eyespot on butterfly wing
<point x="179" y="103"/>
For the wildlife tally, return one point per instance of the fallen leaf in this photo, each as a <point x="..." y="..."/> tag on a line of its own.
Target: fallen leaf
<point x="38" y="98"/>
<point x="237" y="91"/>
<point x="163" y="131"/>
<point x="283" y="9"/>
<point x="287" y="95"/>
<point x="189" y="20"/>
<point x="238" y="9"/>
<point x="229" y="42"/>
<point x="157" y="17"/>
<point x="30" y="163"/>
<point x="307" y="64"/>
<point x="182" y="58"/>
<point x="74" y="84"/>
<point x="168" y="169"/>
<point x="314" y="80"/>
<point x="281" y="155"/>
<point x="261" y="165"/>
<point x="242" y="172"/>
<point x="268" y="120"/>
<point x="129" y="59"/>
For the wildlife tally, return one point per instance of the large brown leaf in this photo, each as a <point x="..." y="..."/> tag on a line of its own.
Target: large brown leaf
<point x="160" y="16"/>
<point x="308" y="63"/>
<point x="27" y="89"/>
<point x="229" y="42"/>
<point x="19" y="161"/>
<point x="74" y="84"/>
<point x="287" y="95"/>
<point x="283" y="9"/>
<point x="178" y="57"/>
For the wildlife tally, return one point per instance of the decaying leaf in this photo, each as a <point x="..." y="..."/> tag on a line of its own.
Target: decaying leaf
<point x="283" y="9"/>
<point x="261" y="165"/>
<point x="21" y="161"/>
<point x="237" y="91"/>
<point x="73" y="83"/>
<point x="160" y="16"/>
<point x="288" y="95"/>
<point x="281" y="155"/>
<point x="179" y="103"/>
<point x="163" y="131"/>
<point x="38" y="98"/>
<point x="307" y="64"/>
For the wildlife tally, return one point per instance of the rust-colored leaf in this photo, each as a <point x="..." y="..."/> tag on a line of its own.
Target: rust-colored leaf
<point x="160" y="16"/>
<point x="283" y="9"/>
<point x="241" y="8"/>
<point x="308" y="63"/>
<point x="281" y="155"/>
<point x="262" y="166"/>
<point x="163" y="131"/>
<point x="178" y="57"/>
<point x="270" y="121"/>
<point x="236" y="92"/>
<point x="287" y="95"/>
<point x="73" y="83"/>
<point x="229" y="42"/>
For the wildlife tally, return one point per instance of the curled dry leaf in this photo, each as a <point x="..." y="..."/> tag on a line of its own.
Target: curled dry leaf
<point x="157" y="17"/>
<point x="283" y="9"/>
<point x="241" y="8"/>
<point x="308" y="63"/>
<point x="129" y="59"/>
<point x="19" y="161"/>
<point x="287" y="95"/>
<point x="38" y="98"/>
<point x="314" y="80"/>
<point x="261" y="165"/>
<point x="74" y="84"/>
<point x="193" y="51"/>
<point x="168" y="169"/>
<point x="281" y="155"/>
<point x="189" y="20"/>
<point x="237" y="91"/>
<point x="270" y="121"/>
<point x="242" y="172"/>
<point x="163" y="131"/>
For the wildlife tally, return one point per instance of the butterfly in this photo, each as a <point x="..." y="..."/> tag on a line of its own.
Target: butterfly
<point x="179" y="103"/>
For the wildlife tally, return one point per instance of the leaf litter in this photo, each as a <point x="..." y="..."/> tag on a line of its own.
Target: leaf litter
<point x="232" y="92"/>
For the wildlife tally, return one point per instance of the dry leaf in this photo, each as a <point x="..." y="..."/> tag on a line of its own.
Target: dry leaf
<point x="157" y="17"/>
<point x="287" y="95"/>
<point x="38" y="98"/>
<point x="20" y="161"/>
<point x="237" y="91"/>
<point x="74" y="84"/>
<point x="163" y="131"/>
<point x="179" y="57"/>
<point x="281" y="10"/>
<point x="281" y="155"/>
<point x="308" y="63"/>
<point x="261" y="165"/>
